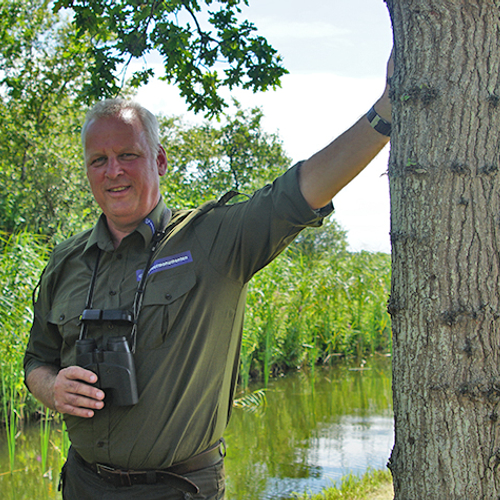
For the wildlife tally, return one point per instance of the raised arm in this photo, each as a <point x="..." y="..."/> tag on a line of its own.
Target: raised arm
<point x="332" y="168"/>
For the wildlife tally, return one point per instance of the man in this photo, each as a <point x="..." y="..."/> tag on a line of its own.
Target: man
<point x="173" y="284"/>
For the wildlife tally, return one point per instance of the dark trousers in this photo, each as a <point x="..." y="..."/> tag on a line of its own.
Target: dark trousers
<point x="81" y="483"/>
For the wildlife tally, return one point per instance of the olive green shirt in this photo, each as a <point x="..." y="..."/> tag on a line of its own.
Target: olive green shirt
<point x="189" y="328"/>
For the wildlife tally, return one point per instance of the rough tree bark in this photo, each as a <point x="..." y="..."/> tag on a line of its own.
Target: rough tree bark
<point x="445" y="232"/>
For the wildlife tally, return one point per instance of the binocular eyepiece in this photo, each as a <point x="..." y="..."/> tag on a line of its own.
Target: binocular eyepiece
<point x="114" y="367"/>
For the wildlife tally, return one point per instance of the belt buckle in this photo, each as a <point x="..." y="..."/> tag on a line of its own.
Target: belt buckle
<point x="123" y="477"/>
<point x="104" y="468"/>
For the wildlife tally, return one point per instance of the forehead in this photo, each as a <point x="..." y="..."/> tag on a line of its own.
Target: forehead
<point x="124" y="130"/>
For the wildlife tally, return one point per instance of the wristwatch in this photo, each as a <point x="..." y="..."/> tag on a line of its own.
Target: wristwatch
<point x="378" y="123"/>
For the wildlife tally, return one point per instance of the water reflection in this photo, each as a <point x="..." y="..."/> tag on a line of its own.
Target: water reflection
<point x="315" y="429"/>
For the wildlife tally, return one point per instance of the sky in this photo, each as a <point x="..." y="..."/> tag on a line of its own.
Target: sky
<point x="336" y="52"/>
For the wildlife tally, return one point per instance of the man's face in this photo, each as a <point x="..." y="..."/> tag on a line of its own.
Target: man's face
<point x="122" y="170"/>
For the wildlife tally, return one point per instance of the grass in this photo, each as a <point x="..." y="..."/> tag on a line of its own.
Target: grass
<point x="11" y="419"/>
<point x="374" y="485"/>
<point x="45" y="429"/>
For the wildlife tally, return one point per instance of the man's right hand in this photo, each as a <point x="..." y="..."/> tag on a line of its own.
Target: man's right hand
<point x="74" y="395"/>
<point x="67" y="390"/>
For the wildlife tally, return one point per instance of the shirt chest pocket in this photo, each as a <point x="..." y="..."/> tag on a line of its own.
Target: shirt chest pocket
<point x="166" y="301"/>
<point x="66" y="317"/>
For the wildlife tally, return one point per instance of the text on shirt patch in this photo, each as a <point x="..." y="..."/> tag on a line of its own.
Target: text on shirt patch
<point x="166" y="263"/>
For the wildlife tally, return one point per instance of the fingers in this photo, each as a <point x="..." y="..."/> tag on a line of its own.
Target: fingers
<point x="389" y="74"/>
<point x="73" y="393"/>
<point x="390" y="65"/>
<point x="383" y="105"/>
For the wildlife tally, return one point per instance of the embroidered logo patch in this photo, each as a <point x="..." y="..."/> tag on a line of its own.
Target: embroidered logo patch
<point x="167" y="263"/>
<point x="150" y="223"/>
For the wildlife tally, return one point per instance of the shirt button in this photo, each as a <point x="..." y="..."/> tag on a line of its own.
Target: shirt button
<point x="100" y="444"/>
<point x="112" y="292"/>
<point x="168" y="296"/>
<point x="61" y="318"/>
<point x="119" y="256"/>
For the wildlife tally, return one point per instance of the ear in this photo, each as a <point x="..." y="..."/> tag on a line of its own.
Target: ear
<point x="161" y="161"/>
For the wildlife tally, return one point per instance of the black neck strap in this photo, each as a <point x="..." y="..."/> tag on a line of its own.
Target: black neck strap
<point x="157" y="242"/>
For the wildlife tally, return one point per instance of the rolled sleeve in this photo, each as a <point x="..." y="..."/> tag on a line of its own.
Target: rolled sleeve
<point x="293" y="186"/>
<point x="44" y="345"/>
<point x="243" y="238"/>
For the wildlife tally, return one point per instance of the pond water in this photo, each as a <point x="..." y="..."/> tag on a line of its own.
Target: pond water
<point x="315" y="428"/>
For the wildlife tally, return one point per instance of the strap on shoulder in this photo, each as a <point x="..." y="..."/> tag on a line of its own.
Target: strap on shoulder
<point x="223" y="200"/>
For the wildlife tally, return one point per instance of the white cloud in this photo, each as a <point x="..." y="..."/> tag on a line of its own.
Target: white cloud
<point x="300" y="30"/>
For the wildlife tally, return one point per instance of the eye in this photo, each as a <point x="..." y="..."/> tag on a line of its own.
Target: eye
<point x="99" y="161"/>
<point x="128" y="156"/>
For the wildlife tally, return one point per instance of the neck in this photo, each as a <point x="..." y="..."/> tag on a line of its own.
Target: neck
<point x="117" y="234"/>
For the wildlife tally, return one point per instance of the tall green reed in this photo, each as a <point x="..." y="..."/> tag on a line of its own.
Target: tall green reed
<point x="10" y="416"/>
<point x="60" y="441"/>
<point x="309" y="307"/>
<point x="65" y="443"/>
<point x="45" y="428"/>
<point x="22" y="258"/>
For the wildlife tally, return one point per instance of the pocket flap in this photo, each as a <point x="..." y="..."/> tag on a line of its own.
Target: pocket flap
<point x="64" y="312"/>
<point x="169" y="287"/>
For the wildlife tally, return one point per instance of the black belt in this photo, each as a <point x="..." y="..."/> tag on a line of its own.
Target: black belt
<point x="172" y="476"/>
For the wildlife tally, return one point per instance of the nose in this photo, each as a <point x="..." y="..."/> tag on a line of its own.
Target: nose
<point x="113" y="168"/>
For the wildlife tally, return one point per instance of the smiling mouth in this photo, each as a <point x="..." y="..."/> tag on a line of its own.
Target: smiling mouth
<point x="118" y="189"/>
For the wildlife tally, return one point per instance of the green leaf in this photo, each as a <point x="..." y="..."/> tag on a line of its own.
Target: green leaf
<point x="197" y="45"/>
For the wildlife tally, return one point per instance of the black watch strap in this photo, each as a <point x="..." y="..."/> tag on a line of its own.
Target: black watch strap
<point x="378" y="123"/>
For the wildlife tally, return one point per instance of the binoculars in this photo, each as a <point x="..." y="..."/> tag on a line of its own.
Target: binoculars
<point x="114" y="367"/>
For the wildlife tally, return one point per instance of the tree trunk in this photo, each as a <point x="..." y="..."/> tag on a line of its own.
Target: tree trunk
<point x="445" y="233"/>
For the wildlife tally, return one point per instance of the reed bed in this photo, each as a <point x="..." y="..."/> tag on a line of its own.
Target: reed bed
<point x="311" y="308"/>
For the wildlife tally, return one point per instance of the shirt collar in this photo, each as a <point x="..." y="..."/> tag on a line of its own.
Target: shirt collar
<point x="153" y="222"/>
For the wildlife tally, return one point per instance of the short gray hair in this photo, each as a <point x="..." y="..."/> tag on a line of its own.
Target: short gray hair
<point x="117" y="107"/>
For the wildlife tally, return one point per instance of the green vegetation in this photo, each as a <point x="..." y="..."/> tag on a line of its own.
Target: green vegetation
<point x="316" y="302"/>
<point x="205" y="45"/>
<point x="374" y="484"/>
<point x="42" y="71"/>
<point x="313" y="304"/>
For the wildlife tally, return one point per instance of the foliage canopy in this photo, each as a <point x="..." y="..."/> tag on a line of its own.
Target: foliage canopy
<point x="204" y="46"/>
<point x="208" y="160"/>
